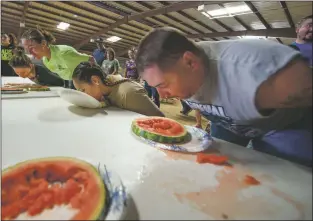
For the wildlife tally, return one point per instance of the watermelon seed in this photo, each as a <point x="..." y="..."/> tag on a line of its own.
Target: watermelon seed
<point x="35" y="173"/>
<point x="28" y="178"/>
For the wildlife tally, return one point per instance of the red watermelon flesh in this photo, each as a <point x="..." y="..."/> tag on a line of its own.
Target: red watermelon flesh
<point x="159" y="129"/>
<point x="34" y="186"/>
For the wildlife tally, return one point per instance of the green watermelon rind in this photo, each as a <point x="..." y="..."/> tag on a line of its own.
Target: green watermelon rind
<point x="157" y="137"/>
<point x="99" y="211"/>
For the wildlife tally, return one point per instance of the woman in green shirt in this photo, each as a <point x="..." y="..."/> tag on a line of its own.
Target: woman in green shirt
<point x="59" y="59"/>
<point x="39" y="74"/>
<point x="111" y="65"/>
<point x="113" y="89"/>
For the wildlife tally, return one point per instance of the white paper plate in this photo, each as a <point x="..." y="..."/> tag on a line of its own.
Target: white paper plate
<point x="79" y="98"/>
<point x="200" y="141"/>
<point x="117" y="200"/>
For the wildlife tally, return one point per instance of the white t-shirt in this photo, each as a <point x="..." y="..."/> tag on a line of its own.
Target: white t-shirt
<point x="235" y="70"/>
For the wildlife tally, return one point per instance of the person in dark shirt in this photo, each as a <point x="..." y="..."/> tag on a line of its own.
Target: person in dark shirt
<point x="8" y="43"/>
<point x="100" y="53"/>
<point x="37" y="73"/>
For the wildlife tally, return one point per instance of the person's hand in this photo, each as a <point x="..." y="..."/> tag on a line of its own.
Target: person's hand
<point x="198" y="126"/>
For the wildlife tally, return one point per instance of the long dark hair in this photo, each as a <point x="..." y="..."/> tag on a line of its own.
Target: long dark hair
<point x="111" y="50"/>
<point x="85" y="70"/>
<point x="20" y="59"/>
<point x="38" y="35"/>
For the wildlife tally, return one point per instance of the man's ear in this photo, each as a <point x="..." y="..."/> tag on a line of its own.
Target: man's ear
<point x="190" y="59"/>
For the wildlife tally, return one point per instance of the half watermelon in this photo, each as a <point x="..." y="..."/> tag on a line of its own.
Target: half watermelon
<point x="160" y="129"/>
<point x="33" y="187"/>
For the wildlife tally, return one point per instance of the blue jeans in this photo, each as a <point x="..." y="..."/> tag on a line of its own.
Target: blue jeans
<point x="152" y="92"/>
<point x="291" y="144"/>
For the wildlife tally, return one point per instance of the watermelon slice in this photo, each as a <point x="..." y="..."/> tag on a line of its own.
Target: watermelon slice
<point x="27" y="87"/>
<point x="160" y="129"/>
<point x="31" y="187"/>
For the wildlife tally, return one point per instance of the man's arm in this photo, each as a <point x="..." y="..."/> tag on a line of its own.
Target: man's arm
<point x="290" y="87"/>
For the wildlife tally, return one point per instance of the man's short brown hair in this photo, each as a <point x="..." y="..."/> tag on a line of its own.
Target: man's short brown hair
<point x="163" y="47"/>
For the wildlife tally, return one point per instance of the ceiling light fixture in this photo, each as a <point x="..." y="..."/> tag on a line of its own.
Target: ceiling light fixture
<point x="252" y="37"/>
<point x="113" y="39"/>
<point x="222" y="12"/>
<point x="63" y="25"/>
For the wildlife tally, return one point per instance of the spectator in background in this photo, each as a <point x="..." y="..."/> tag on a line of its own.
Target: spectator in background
<point x="100" y="53"/>
<point x="110" y="66"/>
<point x="8" y="43"/>
<point x="130" y="66"/>
<point x="59" y="59"/>
<point x="303" y="42"/>
<point x="152" y="93"/>
<point x="39" y="74"/>
<point x="186" y="108"/>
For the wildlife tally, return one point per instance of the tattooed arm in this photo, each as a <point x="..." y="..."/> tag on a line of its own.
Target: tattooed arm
<point x="289" y="88"/>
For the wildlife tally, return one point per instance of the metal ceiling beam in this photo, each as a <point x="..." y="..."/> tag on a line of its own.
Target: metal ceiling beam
<point x="238" y="20"/>
<point x="172" y="18"/>
<point x="277" y="33"/>
<point x="26" y="4"/>
<point x="171" y="8"/>
<point x="184" y="14"/>
<point x="118" y="12"/>
<point x="287" y="13"/>
<point x="257" y="13"/>
<point x="81" y="16"/>
<point x="115" y="10"/>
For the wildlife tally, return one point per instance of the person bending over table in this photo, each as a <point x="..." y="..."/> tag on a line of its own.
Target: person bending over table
<point x="248" y="89"/>
<point x="59" y="59"/>
<point x="115" y="89"/>
<point x="39" y="74"/>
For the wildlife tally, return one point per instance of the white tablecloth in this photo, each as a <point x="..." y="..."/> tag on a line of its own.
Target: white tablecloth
<point x="162" y="185"/>
<point x="18" y="80"/>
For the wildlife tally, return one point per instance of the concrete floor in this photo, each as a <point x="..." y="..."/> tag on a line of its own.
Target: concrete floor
<point x="173" y="111"/>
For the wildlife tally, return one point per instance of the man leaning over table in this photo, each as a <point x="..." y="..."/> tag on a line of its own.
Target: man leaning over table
<point x="248" y="89"/>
